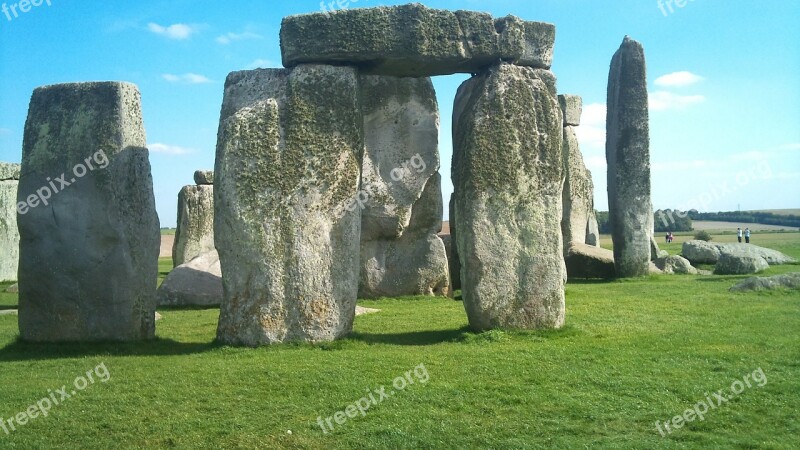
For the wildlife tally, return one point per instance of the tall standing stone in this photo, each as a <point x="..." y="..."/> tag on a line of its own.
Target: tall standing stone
<point x="194" y="234"/>
<point x="508" y="176"/>
<point x="9" y="236"/>
<point x="286" y="223"/>
<point x="453" y="259"/>
<point x="401" y="190"/>
<point x="578" y="195"/>
<point x="628" y="157"/>
<point x="89" y="233"/>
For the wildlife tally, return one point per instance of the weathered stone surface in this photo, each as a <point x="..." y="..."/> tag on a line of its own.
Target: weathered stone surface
<point x="588" y="261"/>
<point x="9" y="236"/>
<point x="785" y="281"/>
<point x="195" y="283"/>
<point x="593" y="230"/>
<point x="508" y="176"/>
<point x="9" y="171"/>
<point x="89" y="256"/>
<point x="194" y="234"/>
<point x="628" y="157"/>
<point x="401" y="135"/>
<point x="673" y="264"/>
<point x="287" y="168"/>
<point x="415" y="41"/>
<point x="702" y="252"/>
<point x="578" y="193"/>
<point x="452" y="257"/>
<point x="204" y="177"/>
<point x="416" y="262"/>
<point x="13" y="289"/>
<point x="400" y="190"/>
<point x="572" y="107"/>
<point x="739" y="264"/>
<point x="655" y="252"/>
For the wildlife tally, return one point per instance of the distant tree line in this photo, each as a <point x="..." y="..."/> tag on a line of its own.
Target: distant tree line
<point x="764" y="218"/>
<point x="675" y="220"/>
<point x="665" y="220"/>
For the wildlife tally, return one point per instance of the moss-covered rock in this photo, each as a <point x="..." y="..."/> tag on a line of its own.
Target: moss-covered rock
<point x="288" y="160"/>
<point x="89" y="253"/>
<point x="413" y="40"/>
<point x="508" y="174"/>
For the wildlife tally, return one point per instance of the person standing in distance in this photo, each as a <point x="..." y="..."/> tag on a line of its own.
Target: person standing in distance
<point x="747" y="235"/>
<point x="739" y="234"/>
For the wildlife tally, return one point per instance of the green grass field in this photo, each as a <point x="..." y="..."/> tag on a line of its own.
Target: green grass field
<point x="633" y="352"/>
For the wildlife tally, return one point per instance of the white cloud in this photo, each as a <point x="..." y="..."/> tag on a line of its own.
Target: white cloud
<point x="260" y="64"/>
<point x="178" y="31"/>
<point x="663" y="100"/>
<point x="678" y="79"/>
<point x="592" y="131"/>
<point x="169" y="149"/>
<point x="227" y="38"/>
<point x="188" y="78"/>
<point x="595" y="163"/>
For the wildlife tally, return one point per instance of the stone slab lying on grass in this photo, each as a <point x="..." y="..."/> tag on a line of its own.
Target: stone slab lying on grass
<point x="13" y="289"/>
<point x="194" y="283"/>
<point x="739" y="264"/>
<point x="785" y="281"/>
<point x="415" y="41"/>
<point x="588" y="261"/>
<point x="8" y="312"/>
<point x="674" y="264"/>
<point x="703" y="252"/>
<point x="360" y="310"/>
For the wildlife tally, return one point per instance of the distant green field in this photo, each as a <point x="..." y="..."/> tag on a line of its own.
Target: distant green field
<point x="633" y="353"/>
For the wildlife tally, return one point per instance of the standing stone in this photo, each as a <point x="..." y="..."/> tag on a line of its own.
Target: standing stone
<point x="593" y="230"/>
<point x="9" y="236"/>
<point x="401" y="190"/>
<point x="89" y="252"/>
<point x="578" y="195"/>
<point x="452" y="258"/>
<point x="204" y="177"/>
<point x="628" y="156"/>
<point x="508" y="177"/>
<point x="194" y="234"/>
<point x="286" y="223"/>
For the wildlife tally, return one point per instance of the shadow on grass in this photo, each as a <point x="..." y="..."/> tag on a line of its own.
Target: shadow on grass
<point x="463" y="335"/>
<point x="431" y="337"/>
<point x="29" y="351"/>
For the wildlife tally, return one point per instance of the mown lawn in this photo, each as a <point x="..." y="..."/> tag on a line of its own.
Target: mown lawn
<point x="633" y="352"/>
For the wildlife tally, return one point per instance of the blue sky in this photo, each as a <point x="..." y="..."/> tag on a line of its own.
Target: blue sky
<point x="724" y="81"/>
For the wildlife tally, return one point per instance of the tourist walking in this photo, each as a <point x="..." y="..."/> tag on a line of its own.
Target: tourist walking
<point x="739" y="234"/>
